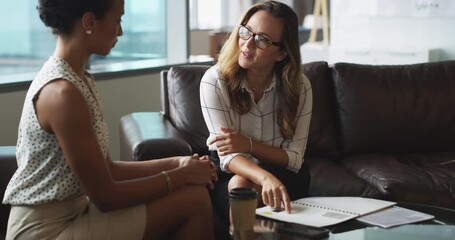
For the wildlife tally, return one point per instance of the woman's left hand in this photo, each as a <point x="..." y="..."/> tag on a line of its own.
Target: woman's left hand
<point x="231" y="142"/>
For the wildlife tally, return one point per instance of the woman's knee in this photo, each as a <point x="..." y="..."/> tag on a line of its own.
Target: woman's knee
<point x="182" y="202"/>
<point x="238" y="182"/>
<point x="198" y="197"/>
<point x="168" y="213"/>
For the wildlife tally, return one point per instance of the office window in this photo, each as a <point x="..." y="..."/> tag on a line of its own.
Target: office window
<point x="25" y="43"/>
<point x="205" y="14"/>
<point x="144" y="33"/>
<point x="217" y="14"/>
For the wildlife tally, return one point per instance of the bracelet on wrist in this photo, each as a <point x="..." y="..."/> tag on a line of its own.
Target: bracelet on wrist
<point x="168" y="181"/>
<point x="251" y="145"/>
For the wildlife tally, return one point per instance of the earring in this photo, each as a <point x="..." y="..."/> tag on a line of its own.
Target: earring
<point x="88" y="32"/>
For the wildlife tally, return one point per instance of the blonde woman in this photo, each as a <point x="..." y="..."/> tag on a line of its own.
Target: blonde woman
<point x="257" y="105"/>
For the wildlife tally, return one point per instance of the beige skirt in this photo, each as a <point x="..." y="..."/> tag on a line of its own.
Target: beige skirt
<point x="75" y="219"/>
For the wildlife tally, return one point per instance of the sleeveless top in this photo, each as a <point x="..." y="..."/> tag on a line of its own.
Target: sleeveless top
<point x="43" y="174"/>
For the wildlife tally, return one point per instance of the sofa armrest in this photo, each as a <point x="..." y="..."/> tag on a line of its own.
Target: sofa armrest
<point x="8" y="166"/>
<point x="149" y="135"/>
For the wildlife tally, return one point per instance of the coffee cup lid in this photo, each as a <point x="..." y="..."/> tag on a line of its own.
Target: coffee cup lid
<point x="243" y="193"/>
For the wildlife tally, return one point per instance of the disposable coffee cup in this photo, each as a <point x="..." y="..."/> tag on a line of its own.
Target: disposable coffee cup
<point x="243" y="208"/>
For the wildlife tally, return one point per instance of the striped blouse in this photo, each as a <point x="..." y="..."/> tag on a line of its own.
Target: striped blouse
<point x="259" y="123"/>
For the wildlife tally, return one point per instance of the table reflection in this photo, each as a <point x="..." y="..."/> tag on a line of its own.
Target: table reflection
<point x="405" y="232"/>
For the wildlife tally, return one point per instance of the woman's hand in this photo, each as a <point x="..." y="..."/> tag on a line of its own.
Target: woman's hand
<point x="201" y="169"/>
<point x="274" y="193"/>
<point x="185" y="161"/>
<point x="213" y="171"/>
<point x="231" y="141"/>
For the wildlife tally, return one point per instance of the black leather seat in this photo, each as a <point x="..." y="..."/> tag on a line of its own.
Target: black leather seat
<point x="8" y="166"/>
<point x="376" y="131"/>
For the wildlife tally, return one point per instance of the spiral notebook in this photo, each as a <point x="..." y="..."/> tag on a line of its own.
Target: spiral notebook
<point x="325" y="211"/>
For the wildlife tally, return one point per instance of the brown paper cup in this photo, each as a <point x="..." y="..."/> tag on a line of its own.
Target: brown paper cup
<point x="243" y="203"/>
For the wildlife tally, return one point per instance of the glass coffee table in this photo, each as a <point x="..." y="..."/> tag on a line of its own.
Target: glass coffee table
<point x="442" y="227"/>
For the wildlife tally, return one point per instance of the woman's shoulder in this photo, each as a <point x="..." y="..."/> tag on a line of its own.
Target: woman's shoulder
<point x="55" y="68"/>
<point x="305" y="84"/>
<point x="212" y="74"/>
<point x="305" y="81"/>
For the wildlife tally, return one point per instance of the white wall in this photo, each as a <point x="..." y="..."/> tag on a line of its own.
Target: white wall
<point x="397" y="27"/>
<point x="126" y="95"/>
<point x="200" y="43"/>
<point x="10" y="111"/>
<point x="119" y="97"/>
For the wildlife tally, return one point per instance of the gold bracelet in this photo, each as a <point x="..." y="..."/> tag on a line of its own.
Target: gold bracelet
<point x="251" y="145"/>
<point x="168" y="181"/>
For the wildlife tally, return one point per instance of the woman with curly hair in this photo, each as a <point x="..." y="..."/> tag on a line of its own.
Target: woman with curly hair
<point x="66" y="185"/>
<point x="257" y="105"/>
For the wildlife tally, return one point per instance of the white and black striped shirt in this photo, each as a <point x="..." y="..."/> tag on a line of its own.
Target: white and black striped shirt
<point x="259" y="123"/>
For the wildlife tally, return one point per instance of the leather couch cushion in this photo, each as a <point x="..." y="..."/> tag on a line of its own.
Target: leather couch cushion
<point x="398" y="109"/>
<point x="329" y="178"/>
<point x="322" y="139"/>
<point x="184" y="108"/>
<point x="427" y="178"/>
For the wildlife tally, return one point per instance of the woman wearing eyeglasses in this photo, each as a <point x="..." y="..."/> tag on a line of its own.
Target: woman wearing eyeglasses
<point x="257" y="105"/>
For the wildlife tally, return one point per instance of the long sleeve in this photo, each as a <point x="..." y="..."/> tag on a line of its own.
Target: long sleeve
<point x="216" y="109"/>
<point x="259" y="122"/>
<point x="296" y="147"/>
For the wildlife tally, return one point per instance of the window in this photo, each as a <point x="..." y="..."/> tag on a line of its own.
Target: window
<point x="144" y="33"/>
<point x="26" y="44"/>
<point x="205" y="14"/>
<point x="23" y="44"/>
<point x="216" y="14"/>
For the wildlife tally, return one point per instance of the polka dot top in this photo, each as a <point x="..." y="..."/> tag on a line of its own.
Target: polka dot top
<point x="43" y="174"/>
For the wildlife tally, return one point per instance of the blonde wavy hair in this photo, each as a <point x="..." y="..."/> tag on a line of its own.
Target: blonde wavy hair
<point x="288" y="70"/>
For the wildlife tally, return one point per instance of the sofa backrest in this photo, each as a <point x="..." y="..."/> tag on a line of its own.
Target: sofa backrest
<point x="183" y="104"/>
<point x="180" y="104"/>
<point x="322" y="138"/>
<point x="400" y="108"/>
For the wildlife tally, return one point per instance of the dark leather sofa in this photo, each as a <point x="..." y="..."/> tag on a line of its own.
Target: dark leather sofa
<point x="8" y="166"/>
<point x="385" y="132"/>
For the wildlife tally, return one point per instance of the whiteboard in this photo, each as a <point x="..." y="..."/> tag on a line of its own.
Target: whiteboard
<point x="393" y="8"/>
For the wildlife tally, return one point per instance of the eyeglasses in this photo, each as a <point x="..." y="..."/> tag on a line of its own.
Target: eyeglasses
<point x="259" y="40"/>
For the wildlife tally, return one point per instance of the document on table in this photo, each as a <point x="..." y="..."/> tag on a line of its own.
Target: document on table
<point x="394" y="216"/>
<point x="325" y="211"/>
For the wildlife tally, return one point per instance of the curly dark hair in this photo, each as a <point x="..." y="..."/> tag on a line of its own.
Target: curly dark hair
<point x="60" y="15"/>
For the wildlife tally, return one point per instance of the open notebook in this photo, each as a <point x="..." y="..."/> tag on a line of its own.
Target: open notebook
<point x="325" y="211"/>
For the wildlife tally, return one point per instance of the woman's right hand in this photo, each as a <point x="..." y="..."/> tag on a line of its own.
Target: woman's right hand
<point x="274" y="193"/>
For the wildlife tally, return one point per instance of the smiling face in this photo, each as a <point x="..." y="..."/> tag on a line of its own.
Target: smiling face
<point x="252" y="57"/>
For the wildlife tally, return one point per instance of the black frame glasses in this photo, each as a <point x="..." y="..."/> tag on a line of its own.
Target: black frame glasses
<point x="260" y="41"/>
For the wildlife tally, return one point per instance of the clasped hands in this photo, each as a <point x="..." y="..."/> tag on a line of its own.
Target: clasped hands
<point x="202" y="174"/>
